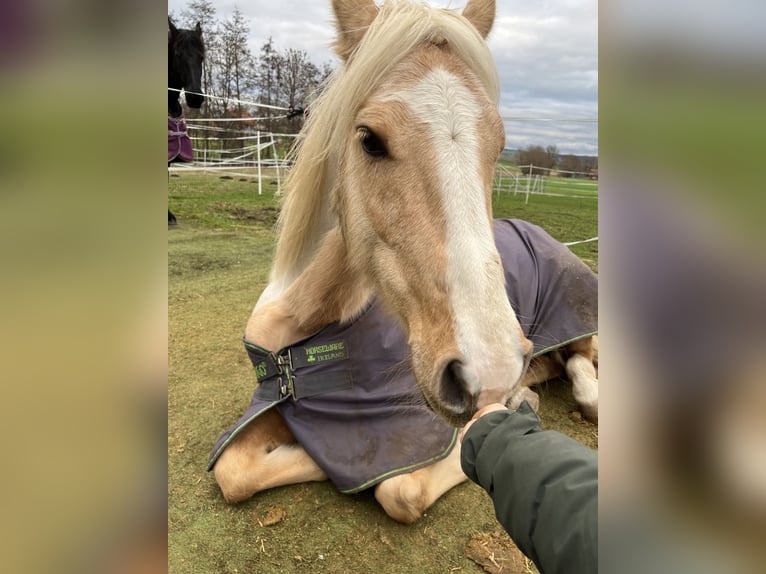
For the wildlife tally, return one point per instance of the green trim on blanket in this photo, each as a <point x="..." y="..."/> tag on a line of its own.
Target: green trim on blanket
<point x="409" y="468"/>
<point x="237" y="430"/>
<point x="564" y="343"/>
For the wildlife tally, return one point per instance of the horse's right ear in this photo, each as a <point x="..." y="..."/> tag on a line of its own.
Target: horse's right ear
<point x="173" y="29"/>
<point x="352" y="18"/>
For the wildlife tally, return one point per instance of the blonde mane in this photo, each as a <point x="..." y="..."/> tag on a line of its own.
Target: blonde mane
<point x="398" y="29"/>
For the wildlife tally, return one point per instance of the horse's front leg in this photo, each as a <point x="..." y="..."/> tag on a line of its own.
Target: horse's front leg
<point x="581" y="370"/>
<point x="262" y="456"/>
<point x="407" y="496"/>
<point x="265" y="454"/>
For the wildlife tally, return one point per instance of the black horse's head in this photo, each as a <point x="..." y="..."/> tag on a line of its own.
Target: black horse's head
<point x="186" y="51"/>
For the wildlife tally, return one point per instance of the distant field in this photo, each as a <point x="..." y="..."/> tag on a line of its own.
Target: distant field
<point x="565" y="207"/>
<point x="570" y="185"/>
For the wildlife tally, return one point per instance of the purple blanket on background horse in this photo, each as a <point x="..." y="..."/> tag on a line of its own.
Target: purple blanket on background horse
<point x="348" y="393"/>
<point x="179" y="144"/>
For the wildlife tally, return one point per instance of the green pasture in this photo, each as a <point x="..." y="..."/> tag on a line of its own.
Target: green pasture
<point x="218" y="261"/>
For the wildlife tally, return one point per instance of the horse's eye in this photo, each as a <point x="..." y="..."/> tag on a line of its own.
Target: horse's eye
<point x="372" y="144"/>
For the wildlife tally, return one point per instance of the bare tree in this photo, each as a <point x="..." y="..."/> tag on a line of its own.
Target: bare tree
<point x="589" y="162"/>
<point x="542" y="159"/>
<point x="237" y="74"/>
<point x="553" y="155"/>
<point x="232" y="72"/>
<point x="268" y="73"/>
<point x="326" y="71"/>
<point x="570" y="163"/>
<point x="300" y="77"/>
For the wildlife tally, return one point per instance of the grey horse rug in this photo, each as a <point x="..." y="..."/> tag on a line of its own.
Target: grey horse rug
<point x="348" y="394"/>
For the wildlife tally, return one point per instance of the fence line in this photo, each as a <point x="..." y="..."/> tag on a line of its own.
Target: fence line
<point x="219" y="158"/>
<point x="230" y="99"/>
<point x="525" y="181"/>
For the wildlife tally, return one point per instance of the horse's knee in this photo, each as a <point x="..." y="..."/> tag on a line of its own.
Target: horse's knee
<point x="232" y="477"/>
<point x="403" y="497"/>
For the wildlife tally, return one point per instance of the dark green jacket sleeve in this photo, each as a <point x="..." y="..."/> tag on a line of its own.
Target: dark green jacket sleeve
<point x="544" y="486"/>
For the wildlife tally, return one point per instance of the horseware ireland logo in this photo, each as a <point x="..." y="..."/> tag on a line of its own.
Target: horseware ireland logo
<point x="327" y="352"/>
<point x="260" y="370"/>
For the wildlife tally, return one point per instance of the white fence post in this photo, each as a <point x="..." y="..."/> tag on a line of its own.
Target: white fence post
<point x="276" y="162"/>
<point x="258" y="146"/>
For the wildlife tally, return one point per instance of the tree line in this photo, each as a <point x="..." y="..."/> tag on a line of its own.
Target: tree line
<point x="284" y="78"/>
<point x="548" y="158"/>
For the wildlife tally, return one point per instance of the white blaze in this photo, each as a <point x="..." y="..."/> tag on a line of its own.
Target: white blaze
<point x="487" y="328"/>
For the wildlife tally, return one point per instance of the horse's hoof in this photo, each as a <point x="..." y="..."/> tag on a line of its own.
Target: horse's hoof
<point x="590" y="413"/>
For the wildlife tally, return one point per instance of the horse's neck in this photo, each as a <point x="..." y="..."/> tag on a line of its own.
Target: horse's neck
<point x="326" y="291"/>
<point x="329" y="289"/>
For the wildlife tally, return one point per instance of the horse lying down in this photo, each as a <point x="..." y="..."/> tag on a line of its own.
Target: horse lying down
<point x="388" y="204"/>
<point x="343" y="403"/>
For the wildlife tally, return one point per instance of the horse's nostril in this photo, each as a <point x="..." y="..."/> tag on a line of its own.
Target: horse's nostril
<point x="453" y="391"/>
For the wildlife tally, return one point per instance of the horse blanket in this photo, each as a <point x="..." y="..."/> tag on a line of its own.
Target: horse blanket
<point x="348" y="394"/>
<point x="179" y="144"/>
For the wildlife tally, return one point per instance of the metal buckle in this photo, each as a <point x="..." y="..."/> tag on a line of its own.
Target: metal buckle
<point x="286" y="385"/>
<point x="278" y="361"/>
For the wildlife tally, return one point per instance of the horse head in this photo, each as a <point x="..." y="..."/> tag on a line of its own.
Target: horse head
<point x="186" y="52"/>
<point x="413" y="187"/>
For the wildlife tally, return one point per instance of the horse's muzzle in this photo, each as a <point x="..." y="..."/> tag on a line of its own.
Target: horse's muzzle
<point x="461" y="392"/>
<point x="194" y="100"/>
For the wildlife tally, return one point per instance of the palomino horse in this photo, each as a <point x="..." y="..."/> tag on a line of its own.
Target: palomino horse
<point x="390" y="200"/>
<point x="186" y="51"/>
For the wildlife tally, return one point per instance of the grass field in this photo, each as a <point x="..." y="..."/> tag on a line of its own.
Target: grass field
<point x="218" y="261"/>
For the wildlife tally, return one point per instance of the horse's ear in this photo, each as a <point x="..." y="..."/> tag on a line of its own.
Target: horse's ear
<point x="352" y="18"/>
<point x="173" y="29"/>
<point x="480" y="13"/>
<point x="198" y="29"/>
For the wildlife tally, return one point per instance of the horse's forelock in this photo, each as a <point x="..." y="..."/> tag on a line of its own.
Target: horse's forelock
<point x="400" y="28"/>
<point x="188" y="41"/>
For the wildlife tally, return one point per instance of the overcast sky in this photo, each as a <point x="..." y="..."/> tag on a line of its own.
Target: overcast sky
<point x="546" y="53"/>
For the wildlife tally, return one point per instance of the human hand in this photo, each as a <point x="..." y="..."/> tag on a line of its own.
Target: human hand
<point x="480" y="413"/>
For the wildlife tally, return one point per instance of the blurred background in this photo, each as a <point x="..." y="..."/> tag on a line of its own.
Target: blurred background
<point x="683" y="466"/>
<point x="83" y="297"/>
<point x="83" y="302"/>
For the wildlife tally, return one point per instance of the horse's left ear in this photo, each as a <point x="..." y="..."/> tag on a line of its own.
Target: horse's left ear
<point x="198" y="29"/>
<point x="480" y="13"/>
<point x="352" y="18"/>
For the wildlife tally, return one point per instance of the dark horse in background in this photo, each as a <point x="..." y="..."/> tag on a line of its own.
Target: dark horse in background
<point x="186" y="51"/>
